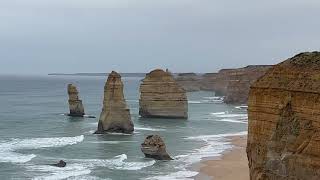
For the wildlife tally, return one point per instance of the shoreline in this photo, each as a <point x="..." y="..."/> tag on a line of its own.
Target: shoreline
<point x="233" y="163"/>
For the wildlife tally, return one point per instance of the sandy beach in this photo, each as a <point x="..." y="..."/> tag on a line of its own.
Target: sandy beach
<point x="233" y="165"/>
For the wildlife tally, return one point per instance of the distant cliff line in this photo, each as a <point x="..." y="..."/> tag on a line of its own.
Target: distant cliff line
<point x="106" y="74"/>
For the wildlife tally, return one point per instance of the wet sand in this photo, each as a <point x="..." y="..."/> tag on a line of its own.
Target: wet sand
<point x="232" y="166"/>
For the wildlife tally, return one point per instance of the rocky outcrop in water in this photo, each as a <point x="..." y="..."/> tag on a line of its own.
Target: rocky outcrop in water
<point x="162" y="97"/>
<point x="284" y="116"/>
<point x="154" y="147"/>
<point x="75" y="104"/>
<point x="115" y="115"/>
<point x="189" y="81"/>
<point x="60" y="164"/>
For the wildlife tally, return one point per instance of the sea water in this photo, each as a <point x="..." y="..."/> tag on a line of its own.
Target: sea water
<point x="34" y="132"/>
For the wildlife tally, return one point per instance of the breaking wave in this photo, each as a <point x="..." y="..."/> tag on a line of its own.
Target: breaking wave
<point x="8" y="148"/>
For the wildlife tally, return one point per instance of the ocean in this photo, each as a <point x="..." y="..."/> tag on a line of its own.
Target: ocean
<point x="34" y="132"/>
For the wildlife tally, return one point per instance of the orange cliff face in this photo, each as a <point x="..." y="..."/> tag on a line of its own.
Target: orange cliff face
<point x="284" y="121"/>
<point x="234" y="84"/>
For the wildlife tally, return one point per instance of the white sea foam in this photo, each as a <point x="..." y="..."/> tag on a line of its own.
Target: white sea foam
<point x="81" y="168"/>
<point x="233" y="115"/>
<point x="8" y="154"/>
<point x="214" y="146"/>
<point x="56" y="173"/>
<point x="180" y="175"/>
<point x="148" y="129"/>
<point x="194" y="102"/>
<point x="233" y="121"/>
<point x="111" y="142"/>
<point x="241" y="107"/>
<point x="218" y="113"/>
<point x="118" y="163"/>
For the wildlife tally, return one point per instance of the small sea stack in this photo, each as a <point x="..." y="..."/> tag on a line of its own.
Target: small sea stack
<point x="115" y="115"/>
<point x="162" y="97"/>
<point x="75" y="104"/>
<point x="154" y="147"/>
<point x="284" y="116"/>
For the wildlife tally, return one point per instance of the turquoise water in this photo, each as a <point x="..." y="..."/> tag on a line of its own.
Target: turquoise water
<point x="34" y="132"/>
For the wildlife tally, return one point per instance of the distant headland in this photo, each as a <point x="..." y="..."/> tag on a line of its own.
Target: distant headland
<point x="98" y="74"/>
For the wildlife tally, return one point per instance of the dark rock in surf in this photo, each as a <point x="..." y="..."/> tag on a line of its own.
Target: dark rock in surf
<point x="61" y="164"/>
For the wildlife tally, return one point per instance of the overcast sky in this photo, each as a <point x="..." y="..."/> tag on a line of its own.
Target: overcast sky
<point x="68" y="36"/>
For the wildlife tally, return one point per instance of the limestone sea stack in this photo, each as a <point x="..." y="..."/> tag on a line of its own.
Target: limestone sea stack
<point x="75" y="104"/>
<point x="162" y="97"/>
<point x="284" y="121"/>
<point x="154" y="147"/>
<point x="115" y="115"/>
<point x="189" y="81"/>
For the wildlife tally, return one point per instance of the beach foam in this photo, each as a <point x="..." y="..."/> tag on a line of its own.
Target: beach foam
<point x="180" y="175"/>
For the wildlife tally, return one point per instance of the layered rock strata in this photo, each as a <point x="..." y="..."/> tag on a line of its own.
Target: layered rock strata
<point x="154" y="147"/>
<point x="189" y="81"/>
<point x="75" y="104"/>
<point x="284" y="121"/>
<point x="239" y="82"/>
<point x="162" y="97"/>
<point x="115" y="115"/>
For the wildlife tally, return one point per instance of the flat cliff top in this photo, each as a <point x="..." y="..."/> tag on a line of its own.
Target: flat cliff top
<point x="299" y="73"/>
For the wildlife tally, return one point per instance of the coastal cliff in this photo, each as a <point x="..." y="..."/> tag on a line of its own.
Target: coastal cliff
<point x="162" y="97"/>
<point x="115" y="115"/>
<point x="75" y="104"/>
<point x="284" y="116"/>
<point x="239" y="82"/>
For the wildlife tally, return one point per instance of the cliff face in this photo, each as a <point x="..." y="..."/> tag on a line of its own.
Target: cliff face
<point x="115" y="115"/>
<point x="75" y="104"/>
<point x="189" y="81"/>
<point x="162" y="97"/>
<point x="284" y="121"/>
<point x="239" y="82"/>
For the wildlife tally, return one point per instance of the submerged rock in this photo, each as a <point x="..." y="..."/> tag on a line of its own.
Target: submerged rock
<point x="115" y="115"/>
<point x="284" y="116"/>
<point x="61" y="163"/>
<point x="162" y="97"/>
<point x="154" y="147"/>
<point x="75" y="104"/>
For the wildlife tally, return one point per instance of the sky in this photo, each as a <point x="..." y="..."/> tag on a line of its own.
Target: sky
<point x="70" y="36"/>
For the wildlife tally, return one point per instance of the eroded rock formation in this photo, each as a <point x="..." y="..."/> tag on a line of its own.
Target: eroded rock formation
<point x="115" y="115"/>
<point x="162" y="97"/>
<point x="189" y="81"/>
<point x="154" y="147"/>
<point x="284" y="121"/>
<point x="239" y="82"/>
<point x="75" y="104"/>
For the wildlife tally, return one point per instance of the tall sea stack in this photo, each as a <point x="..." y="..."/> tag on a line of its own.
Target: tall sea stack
<point x="115" y="115"/>
<point x="284" y="121"/>
<point x="75" y="104"/>
<point x="162" y="97"/>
